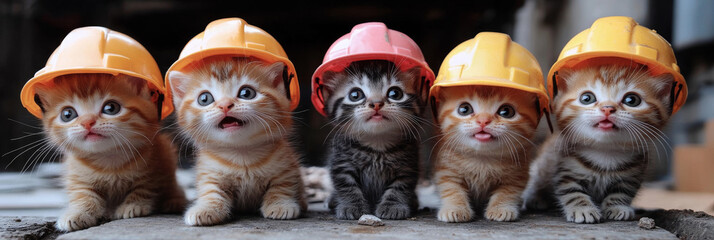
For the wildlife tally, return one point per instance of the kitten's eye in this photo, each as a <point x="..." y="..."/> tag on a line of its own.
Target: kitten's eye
<point x="465" y="109"/>
<point x="356" y="94"/>
<point x="246" y="93"/>
<point x="68" y="114"/>
<point x="587" y="98"/>
<point x="395" y="93"/>
<point x="632" y="100"/>
<point x="205" y="99"/>
<point x="506" y="111"/>
<point x="111" y="108"/>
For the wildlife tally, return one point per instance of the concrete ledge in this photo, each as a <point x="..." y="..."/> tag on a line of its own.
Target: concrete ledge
<point x="685" y="224"/>
<point x="27" y="228"/>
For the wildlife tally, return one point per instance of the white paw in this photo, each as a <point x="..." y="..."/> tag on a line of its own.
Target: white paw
<point x="583" y="214"/>
<point x="619" y="213"/>
<point x="281" y="210"/>
<point x="73" y="220"/>
<point x="502" y="213"/>
<point x="200" y="215"/>
<point x="132" y="210"/>
<point x="455" y="214"/>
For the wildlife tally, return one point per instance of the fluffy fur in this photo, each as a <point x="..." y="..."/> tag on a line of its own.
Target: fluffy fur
<point x="374" y="154"/>
<point x="118" y="166"/>
<point x="595" y="164"/>
<point x="244" y="161"/>
<point x="483" y="157"/>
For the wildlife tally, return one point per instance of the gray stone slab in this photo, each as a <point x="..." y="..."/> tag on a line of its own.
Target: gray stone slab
<point x="27" y="228"/>
<point x="322" y="225"/>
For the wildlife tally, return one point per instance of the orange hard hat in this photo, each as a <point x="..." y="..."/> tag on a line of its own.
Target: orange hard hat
<point x="235" y="37"/>
<point x="98" y="50"/>
<point x="370" y="41"/>
<point x="491" y="59"/>
<point x="621" y="37"/>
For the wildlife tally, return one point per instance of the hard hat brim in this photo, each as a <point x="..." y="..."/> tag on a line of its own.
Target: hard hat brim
<point x="186" y="61"/>
<point x="27" y="95"/>
<point x="654" y="67"/>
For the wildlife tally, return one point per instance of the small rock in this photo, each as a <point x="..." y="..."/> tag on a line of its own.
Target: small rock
<point x="18" y="220"/>
<point x="646" y="223"/>
<point x="370" y="220"/>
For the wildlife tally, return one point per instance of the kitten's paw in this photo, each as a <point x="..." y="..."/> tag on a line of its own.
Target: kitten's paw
<point x="619" y="213"/>
<point x="583" y="214"/>
<point x="132" y="210"/>
<point x="393" y="211"/>
<point x="350" y="211"/>
<point x="281" y="210"/>
<point x="73" y="220"/>
<point x="455" y="214"/>
<point x="199" y="215"/>
<point x="502" y="213"/>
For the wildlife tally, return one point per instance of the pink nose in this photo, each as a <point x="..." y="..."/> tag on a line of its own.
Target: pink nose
<point x="88" y="123"/>
<point x="225" y="105"/>
<point x="607" y="110"/>
<point x="483" y="120"/>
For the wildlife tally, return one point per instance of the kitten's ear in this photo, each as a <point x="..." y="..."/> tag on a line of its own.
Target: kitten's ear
<point x="276" y="72"/>
<point x="42" y="93"/>
<point x="663" y="85"/>
<point x="179" y="82"/>
<point x="565" y="75"/>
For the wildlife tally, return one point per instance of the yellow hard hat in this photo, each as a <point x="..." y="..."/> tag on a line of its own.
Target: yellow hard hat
<point x="98" y="50"/>
<point x="491" y="59"/>
<point x="235" y="37"/>
<point x="621" y="37"/>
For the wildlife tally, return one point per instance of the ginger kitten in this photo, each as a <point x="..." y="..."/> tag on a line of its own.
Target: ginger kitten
<point x="609" y="116"/>
<point x="117" y="164"/>
<point x="236" y="112"/>
<point x="374" y="153"/>
<point x="484" y="151"/>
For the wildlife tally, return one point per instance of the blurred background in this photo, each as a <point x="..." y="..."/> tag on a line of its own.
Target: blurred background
<point x="31" y="29"/>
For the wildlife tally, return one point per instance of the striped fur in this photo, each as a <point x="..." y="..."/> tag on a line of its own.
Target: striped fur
<point x="470" y="173"/>
<point x="246" y="168"/>
<point x="594" y="172"/>
<point x="130" y="171"/>
<point x="374" y="161"/>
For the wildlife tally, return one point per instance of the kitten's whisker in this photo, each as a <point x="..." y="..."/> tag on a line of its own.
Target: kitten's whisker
<point x="27" y="135"/>
<point x="25" y="124"/>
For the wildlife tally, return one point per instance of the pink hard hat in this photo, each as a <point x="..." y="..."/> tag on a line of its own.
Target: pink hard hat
<point x="371" y="41"/>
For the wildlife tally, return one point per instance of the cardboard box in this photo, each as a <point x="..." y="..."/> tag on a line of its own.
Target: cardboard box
<point x="694" y="164"/>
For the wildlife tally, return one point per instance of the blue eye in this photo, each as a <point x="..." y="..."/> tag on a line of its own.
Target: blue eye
<point x="588" y="98"/>
<point x="465" y="109"/>
<point x="506" y="111"/>
<point x="205" y="98"/>
<point x="356" y="94"/>
<point x="111" y="108"/>
<point x="632" y="100"/>
<point x="246" y="93"/>
<point x="68" y="114"/>
<point x="395" y="93"/>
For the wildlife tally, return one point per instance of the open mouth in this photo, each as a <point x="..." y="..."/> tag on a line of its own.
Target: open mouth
<point x="483" y="136"/>
<point x="92" y="136"/>
<point x="230" y="123"/>
<point x="606" y="125"/>
<point x="377" y="117"/>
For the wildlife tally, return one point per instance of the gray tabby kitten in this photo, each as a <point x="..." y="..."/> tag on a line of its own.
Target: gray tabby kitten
<point x="374" y="155"/>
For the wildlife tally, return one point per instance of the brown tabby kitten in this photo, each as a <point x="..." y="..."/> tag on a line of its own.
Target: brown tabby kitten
<point x="117" y="164"/>
<point x="237" y="113"/>
<point x="609" y="116"/>
<point x="484" y="152"/>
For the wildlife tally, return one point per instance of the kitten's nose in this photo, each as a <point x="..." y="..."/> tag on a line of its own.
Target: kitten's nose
<point x="88" y="123"/>
<point x="376" y="105"/>
<point x="225" y="104"/>
<point x="483" y="120"/>
<point x="607" y="110"/>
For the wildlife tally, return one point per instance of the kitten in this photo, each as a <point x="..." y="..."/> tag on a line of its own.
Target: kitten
<point x="484" y="152"/>
<point x="374" y="155"/>
<point x="237" y="113"/>
<point x="595" y="164"/>
<point x="118" y="166"/>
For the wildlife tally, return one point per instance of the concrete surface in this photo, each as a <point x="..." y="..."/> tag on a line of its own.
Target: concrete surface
<point x="322" y="225"/>
<point x="27" y="228"/>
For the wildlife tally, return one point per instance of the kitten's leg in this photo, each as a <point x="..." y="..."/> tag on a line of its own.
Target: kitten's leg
<point x="139" y="202"/>
<point x="537" y="194"/>
<point x="504" y="203"/>
<point x="396" y="202"/>
<point x="213" y="204"/>
<point x="86" y="207"/>
<point x="285" y="197"/>
<point x="616" y="205"/>
<point x="351" y="203"/>
<point x="455" y="204"/>
<point x="577" y="206"/>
